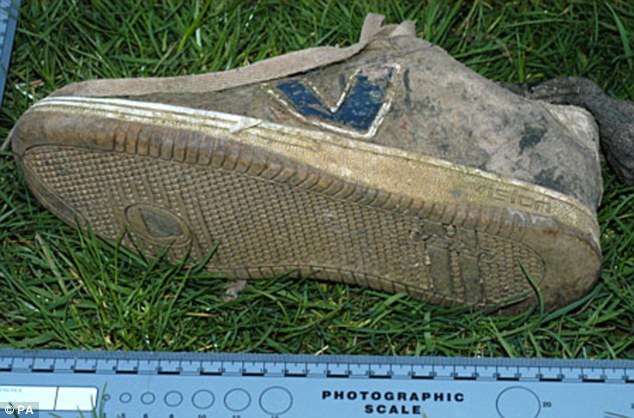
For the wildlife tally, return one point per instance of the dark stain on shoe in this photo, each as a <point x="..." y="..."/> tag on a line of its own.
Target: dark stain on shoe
<point x="531" y="136"/>
<point x="550" y="179"/>
<point x="406" y="83"/>
<point x="408" y="90"/>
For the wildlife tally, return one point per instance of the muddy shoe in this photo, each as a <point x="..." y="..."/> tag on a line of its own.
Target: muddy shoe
<point x="385" y="164"/>
<point x="614" y="117"/>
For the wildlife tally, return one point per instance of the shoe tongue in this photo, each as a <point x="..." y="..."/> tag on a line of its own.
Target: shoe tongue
<point x="373" y="27"/>
<point x="406" y="28"/>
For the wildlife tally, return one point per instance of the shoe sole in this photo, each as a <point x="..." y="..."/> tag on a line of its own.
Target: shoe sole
<point x="276" y="199"/>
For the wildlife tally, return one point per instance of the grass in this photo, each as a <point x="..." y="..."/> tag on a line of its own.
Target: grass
<point x="65" y="289"/>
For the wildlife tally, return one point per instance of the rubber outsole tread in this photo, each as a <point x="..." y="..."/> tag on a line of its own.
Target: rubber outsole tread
<point x="121" y="170"/>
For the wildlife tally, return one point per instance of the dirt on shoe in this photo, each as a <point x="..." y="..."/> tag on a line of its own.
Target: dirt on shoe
<point x="614" y="117"/>
<point x="386" y="164"/>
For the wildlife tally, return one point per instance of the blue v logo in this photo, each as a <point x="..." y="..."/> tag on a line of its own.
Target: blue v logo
<point x="359" y="111"/>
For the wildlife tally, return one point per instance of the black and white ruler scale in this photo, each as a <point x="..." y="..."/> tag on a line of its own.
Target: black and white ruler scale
<point x="176" y="385"/>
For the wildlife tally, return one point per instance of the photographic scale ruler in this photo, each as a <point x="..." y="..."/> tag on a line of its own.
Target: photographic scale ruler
<point x="206" y="385"/>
